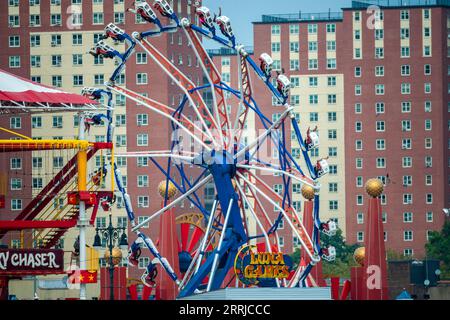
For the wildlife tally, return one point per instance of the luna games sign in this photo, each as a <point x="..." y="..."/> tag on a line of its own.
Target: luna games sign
<point x="31" y="261"/>
<point x="262" y="268"/>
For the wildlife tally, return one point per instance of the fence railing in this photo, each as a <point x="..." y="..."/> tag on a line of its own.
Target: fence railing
<point x="399" y="3"/>
<point x="295" y="17"/>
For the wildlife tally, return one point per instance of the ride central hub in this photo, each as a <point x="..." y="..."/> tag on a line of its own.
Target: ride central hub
<point x="220" y="163"/>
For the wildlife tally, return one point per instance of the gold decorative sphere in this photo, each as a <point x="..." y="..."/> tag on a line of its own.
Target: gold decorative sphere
<point x="374" y="187"/>
<point x="172" y="192"/>
<point x="116" y="256"/>
<point x="359" y="255"/>
<point x="308" y="192"/>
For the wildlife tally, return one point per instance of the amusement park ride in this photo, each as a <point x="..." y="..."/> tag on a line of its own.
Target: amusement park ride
<point x="207" y="261"/>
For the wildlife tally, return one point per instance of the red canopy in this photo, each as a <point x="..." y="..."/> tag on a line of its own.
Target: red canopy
<point x="21" y="90"/>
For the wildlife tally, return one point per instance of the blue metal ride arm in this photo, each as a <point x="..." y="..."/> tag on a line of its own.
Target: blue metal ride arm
<point x="230" y="43"/>
<point x="304" y="150"/>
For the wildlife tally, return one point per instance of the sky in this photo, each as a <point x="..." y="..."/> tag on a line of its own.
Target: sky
<point x="243" y="12"/>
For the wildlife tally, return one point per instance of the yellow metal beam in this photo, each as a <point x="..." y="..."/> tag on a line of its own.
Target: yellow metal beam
<point x="41" y="144"/>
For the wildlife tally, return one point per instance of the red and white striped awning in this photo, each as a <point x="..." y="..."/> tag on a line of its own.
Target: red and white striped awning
<point x="18" y="93"/>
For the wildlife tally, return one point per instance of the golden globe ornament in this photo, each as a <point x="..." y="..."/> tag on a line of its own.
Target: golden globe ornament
<point x="308" y="192"/>
<point x="116" y="256"/>
<point x="374" y="188"/>
<point x="172" y="190"/>
<point x="359" y="255"/>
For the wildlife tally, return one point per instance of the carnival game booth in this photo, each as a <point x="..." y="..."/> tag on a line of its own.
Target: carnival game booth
<point x="39" y="204"/>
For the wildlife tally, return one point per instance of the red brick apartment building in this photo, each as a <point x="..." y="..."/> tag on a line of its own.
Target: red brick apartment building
<point x="39" y="41"/>
<point x="375" y="82"/>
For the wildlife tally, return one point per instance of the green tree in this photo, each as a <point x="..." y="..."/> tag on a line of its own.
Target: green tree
<point x="344" y="256"/>
<point x="438" y="247"/>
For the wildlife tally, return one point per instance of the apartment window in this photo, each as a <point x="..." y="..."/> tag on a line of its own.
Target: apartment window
<point x="143" y="202"/>
<point x="313" y="99"/>
<point x="16" y="184"/>
<point x="360" y="236"/>
<point x="381" y="144"/>
<point x="294" y="29"/>
<point x="331" y="81"/>
<point x="359" y="200"/>
<point x="36" y="122"/>
<point x="406" y="107"/>
<point x="332" y="152"/>
<point x="36" y="79"/>
<point x="427" y="32"/>
<point x="313" y="81"/>
<point x="407" y="198"/>
<point x="407" y="181"/>
<point x="276" y="47"/>
<point x="379" y="34"/>
<point x="429" y="180"/>
<point x="427" y="69"/>
<point x="99" y="79"/>
<point x="429" y="198"/>
<point x="429" y="216"/>
<point x="99" y="60"/>
<point x="333" y="187"/>
<point x="406" y="88"/>
<point x="408" y="235"/>
<point x="77" y="39"/>
<point x="358" y="126"/>
<point x="331" y="63"/>
<point x="121" y="120"/>
<point x="358" y="90"/>
<point x="358" y="108"/>
<point x="14" y="61"/>
<point x="142" y="140"/>
<point x="358" y="145"/>
<point x="379" y="89"/>
<point x="37" y="183"/>
<point x="57" y="122"/>
<point x="428" y="125"/>
<point x="312" y="28"/>
<point x="381" y="163"/>
<point x="379" y="108"/>
<point x="313" y="64"/>
<point x="333" y="205"/>
<point x="15" y="123"/>
<point x="295" y="82"/>
<point x="360" y="218"/>
<point x="55" y="19"/>
<point x="357" y="53"/>
<point x="16" y="204"/>
<point x="276" y="30"/>
<point x="142" y="162"/>
<point x="141" y="78"/>
<point x="379" y="53"/>
<point x="58" y="162"/>
<point x="14" y="41"/>
<point x="97" y="18"/>
<point x="331" y="45"/>
<point x="380" y="126"/>
<point x="57" y="81"/>
<point x="294" y="46"/>
<point x="294" y="64"/>
<point x="119" y="18"/>
<point x="333" y="169"/>
<point x="427" y="87"/>
<point x="406" y="125"/>
<point x="428" y="162"/>
<point x="35" y="20"/>
<point x="141" y="58"/>
<point x="357" y="35"/>
<point x="121" y="141"/>
<point x="13" y="3"/>
<point x="405" y="52"/>
<point x="142" y="120"/>
<point x="313" y="116"/>
<point x="379" y="71"/>
<point x="77" y="59"/>
<point x="408" y="252"/>
<point x="331" y="28"/>
<point x="357" y="71"/>
<point x="404" y="15"/>
<point x="406" y="70"/>
<point x="15" y="164"/>
<point x="14" y="20"/>
<point x="406" y="144"/>
<point x="427" y="51"/>
<point x="426" y="14"/>
<point x="78" y="80"/>
<point x="404" y="33"/>
<point x="332" y="116"/>
<point x="142" y="181"/>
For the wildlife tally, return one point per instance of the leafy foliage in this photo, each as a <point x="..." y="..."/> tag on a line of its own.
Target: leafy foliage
<point x="438" y="247"/>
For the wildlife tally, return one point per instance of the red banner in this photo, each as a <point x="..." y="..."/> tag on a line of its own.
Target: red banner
<point x="83" y="277"/>
<point x="31" y="261"/>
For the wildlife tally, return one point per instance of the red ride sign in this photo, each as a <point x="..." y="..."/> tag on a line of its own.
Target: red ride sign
<point x="31" y="261"/>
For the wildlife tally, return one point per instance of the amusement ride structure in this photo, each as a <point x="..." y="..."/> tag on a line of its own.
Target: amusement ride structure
<point x="235" y="168"/>
<point x="220" y="155"/>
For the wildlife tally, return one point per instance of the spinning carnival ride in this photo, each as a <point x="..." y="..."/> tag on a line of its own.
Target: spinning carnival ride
<point x="234" y="168"/>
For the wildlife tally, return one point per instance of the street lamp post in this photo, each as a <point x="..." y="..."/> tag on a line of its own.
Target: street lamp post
<point x="111" y="235"/>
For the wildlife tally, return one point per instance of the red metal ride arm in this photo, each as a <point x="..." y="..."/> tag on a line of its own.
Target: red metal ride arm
<point x="247" y="99"/>
<point x="216" y="79"/>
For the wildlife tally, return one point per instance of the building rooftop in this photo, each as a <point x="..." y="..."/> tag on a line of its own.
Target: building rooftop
<point x="338" y="16"/>
<point x="398" y="3"/>
<point x="300" y="16"/>
<point x="228" y="51"/>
